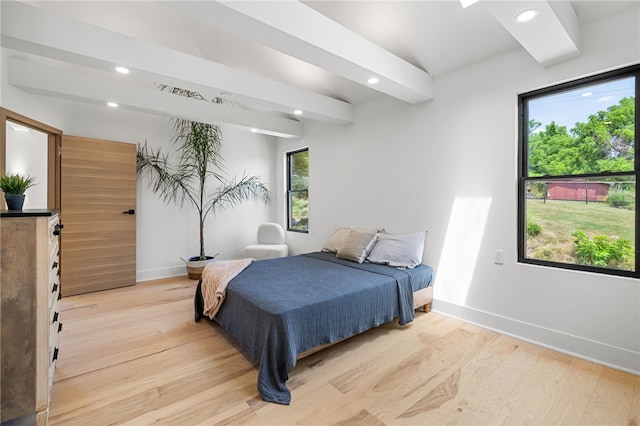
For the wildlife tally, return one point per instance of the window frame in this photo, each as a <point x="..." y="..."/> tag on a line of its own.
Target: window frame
<point x="291" y="191"/>
<point x="523" y="168"/>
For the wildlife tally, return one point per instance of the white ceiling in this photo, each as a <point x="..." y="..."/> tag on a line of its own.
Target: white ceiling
<point x="272" y="57"/>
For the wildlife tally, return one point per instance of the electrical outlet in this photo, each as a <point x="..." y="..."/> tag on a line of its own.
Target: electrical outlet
<point x="498" y="257"/>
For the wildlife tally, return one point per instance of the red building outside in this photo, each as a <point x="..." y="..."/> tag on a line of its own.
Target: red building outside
<point x="577" y="191"/>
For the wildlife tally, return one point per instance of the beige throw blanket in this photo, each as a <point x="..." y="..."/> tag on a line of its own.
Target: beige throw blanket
<point x="215" y="277"/>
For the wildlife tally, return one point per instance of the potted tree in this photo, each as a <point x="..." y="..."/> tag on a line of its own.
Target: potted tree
<point x="14" y="187"/>
<point x="199" y="177"/>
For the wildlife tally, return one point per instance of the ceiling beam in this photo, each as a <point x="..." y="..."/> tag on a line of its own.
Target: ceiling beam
<point x="296" y="29"/>
<point x="79" y="86"/>
<point x="553" y="36"/>
<point x="37" y="31"/>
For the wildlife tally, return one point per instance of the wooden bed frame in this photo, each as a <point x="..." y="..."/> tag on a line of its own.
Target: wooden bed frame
<point x="422" y="299"/>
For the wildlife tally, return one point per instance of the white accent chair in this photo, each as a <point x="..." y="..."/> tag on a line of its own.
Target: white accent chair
<point x="270" y="243"/>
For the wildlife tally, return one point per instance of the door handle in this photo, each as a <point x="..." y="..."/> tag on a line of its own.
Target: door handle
<point x="130" y="211"/>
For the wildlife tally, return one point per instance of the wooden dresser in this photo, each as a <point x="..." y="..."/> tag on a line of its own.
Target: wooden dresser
<point x="30" y="292"/>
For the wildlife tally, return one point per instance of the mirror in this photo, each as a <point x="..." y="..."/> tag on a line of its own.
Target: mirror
<point x="26" y="154"/>
<point x="30" y="147"/>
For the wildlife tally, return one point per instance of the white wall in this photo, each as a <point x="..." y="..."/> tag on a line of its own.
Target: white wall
<point x="449" y="166"/>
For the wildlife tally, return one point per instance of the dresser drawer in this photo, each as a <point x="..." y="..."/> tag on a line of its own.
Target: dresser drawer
<point x="54" y="282"/>
<point x="54" y="229"/>
<point x="54" y="248"/>
<point x="54" y="337"/>
<point x="52" y="368"/>
<point x="54" y="292"/>
<point x="54" y="311"/>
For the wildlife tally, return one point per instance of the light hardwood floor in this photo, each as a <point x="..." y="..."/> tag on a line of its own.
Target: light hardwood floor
<point x="135" y="356"/>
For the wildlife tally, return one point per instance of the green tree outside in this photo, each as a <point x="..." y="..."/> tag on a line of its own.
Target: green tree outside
<point x="604" y="143"/>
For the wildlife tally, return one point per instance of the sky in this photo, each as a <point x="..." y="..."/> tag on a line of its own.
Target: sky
<point x="576" y="105"/>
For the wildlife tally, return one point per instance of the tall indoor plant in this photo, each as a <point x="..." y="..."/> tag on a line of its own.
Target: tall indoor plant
<point x="14" y="187"/>
<point x="199" y="177"/>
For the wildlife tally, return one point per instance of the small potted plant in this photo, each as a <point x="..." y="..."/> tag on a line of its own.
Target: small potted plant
<point x="14" y="186"/>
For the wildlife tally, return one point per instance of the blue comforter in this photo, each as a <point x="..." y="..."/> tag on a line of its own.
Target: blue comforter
<point x="279" y="308"/>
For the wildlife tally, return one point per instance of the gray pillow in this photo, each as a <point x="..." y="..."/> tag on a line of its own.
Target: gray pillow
<point x="404" y="251"/>
<point x="356" y="246"/>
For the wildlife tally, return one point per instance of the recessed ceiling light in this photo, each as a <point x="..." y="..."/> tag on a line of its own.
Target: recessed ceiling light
<point x="298" y="112"/>
<point x="18" y="127"/>
<point x="373" y="80"/>
<point x="112" y="104"/>
<point x="122" y="70"/>
<point x="527" y="15"/>
<point x="254" y="130"/>
<point x="585" y="94"/>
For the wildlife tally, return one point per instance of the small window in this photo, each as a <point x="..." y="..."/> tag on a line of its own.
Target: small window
<point x="578" y="170"/>
<point x="298" y="190"/>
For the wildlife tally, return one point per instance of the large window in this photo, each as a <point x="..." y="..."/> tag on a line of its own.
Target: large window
<point x="298" y="190"/>
<point x="578" y="171"/>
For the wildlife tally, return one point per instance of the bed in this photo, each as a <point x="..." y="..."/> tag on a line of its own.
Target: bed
<point x="280" y="309"/>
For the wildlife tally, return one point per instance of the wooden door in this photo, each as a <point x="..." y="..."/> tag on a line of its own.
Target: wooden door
<point x="98" y="201"/>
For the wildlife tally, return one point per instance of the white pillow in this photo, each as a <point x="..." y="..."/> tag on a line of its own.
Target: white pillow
<point x="336" y="240"/>
<point x="357" y="246"/>
<point x="398" y="250"/>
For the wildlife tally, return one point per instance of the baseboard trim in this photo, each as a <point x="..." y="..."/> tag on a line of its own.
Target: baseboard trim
<point x="598" y="352"/>
<point x="155" y="274"/>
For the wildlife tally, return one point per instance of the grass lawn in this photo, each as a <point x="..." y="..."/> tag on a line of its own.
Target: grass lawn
<point x="559" y="219"/>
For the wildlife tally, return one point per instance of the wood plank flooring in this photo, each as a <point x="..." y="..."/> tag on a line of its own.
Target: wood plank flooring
<point x="134" y="356"/>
